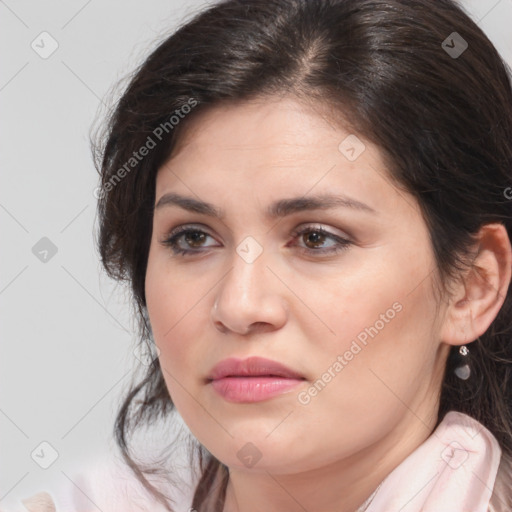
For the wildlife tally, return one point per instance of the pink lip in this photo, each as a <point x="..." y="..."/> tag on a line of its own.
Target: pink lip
<point x="252" y="380"/>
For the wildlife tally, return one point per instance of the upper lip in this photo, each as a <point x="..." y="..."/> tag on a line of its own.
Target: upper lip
<point x="252" y="366"/>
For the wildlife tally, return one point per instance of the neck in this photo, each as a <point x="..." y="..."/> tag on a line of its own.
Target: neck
<point x="343" y="485"/>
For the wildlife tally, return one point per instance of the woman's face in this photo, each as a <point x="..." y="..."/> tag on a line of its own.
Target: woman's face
<point x="315" y="261"/>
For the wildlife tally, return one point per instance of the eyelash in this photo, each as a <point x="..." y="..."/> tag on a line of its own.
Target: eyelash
<point x="175" y="235"/>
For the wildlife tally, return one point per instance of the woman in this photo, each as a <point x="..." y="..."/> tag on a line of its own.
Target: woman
<point x="311" y="203"/>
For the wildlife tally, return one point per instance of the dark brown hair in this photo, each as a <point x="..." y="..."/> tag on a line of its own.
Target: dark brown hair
<point x="442" y="121"/>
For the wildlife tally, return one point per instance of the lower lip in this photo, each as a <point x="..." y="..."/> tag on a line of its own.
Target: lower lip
<point x="253" y="389"/>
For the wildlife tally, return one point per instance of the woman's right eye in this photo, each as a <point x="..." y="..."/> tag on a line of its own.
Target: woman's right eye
<point x="187" y="240"/>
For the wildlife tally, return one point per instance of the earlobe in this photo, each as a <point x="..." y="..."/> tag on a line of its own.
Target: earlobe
<point x="481" y="292"/>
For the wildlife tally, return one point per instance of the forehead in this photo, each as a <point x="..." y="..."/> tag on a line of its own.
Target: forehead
<point x="273" y="147"/>
<point x="281" y="127"/>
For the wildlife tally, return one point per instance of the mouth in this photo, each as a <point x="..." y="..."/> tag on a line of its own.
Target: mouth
<point x="252" y="380"/>
<point x="252" y="367"/>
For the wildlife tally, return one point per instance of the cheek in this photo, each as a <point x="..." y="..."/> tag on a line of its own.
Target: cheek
<point x="378" y="318"/>
<point x="170" y="307"/>
<point x="177" y="326"/>
<point x="178" y="313"/>
<point x="168" y="319"/>
<point x="371" y="373"/>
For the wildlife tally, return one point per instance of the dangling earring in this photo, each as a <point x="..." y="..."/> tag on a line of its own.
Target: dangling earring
<point x="463" y="371"/>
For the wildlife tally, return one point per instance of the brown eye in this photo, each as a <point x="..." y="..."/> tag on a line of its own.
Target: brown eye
<point x="195" y="238"/>
<point x="314" y="239"/>
<point x="187" y="240"/>
<point x="317" y="240"/>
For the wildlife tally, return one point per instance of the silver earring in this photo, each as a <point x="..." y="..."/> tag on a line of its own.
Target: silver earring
<point x="463" y="371"/>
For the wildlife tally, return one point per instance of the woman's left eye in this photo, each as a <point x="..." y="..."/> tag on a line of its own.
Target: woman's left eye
<point x="315" y="239"/>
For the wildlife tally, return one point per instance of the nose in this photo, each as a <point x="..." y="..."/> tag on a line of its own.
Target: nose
<point x="249" y="298"/>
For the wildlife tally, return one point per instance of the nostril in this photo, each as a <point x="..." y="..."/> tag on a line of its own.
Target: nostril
<point x="220" y="326"/>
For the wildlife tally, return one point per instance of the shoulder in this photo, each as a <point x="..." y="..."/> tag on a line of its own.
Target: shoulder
<point x="106" y="484"/>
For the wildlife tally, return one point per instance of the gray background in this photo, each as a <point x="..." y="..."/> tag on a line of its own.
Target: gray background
<point x="67" y="333"/>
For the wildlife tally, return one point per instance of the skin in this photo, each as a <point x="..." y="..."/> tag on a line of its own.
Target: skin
<point x="304" y="309"/>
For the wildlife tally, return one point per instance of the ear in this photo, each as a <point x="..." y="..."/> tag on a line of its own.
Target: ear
<point x="478" y="297"/>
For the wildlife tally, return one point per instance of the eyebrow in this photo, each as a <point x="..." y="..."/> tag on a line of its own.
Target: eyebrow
<point x="280" y="208"/>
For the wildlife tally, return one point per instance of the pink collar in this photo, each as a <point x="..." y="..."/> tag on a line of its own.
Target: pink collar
<point x="454" y="470"/>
